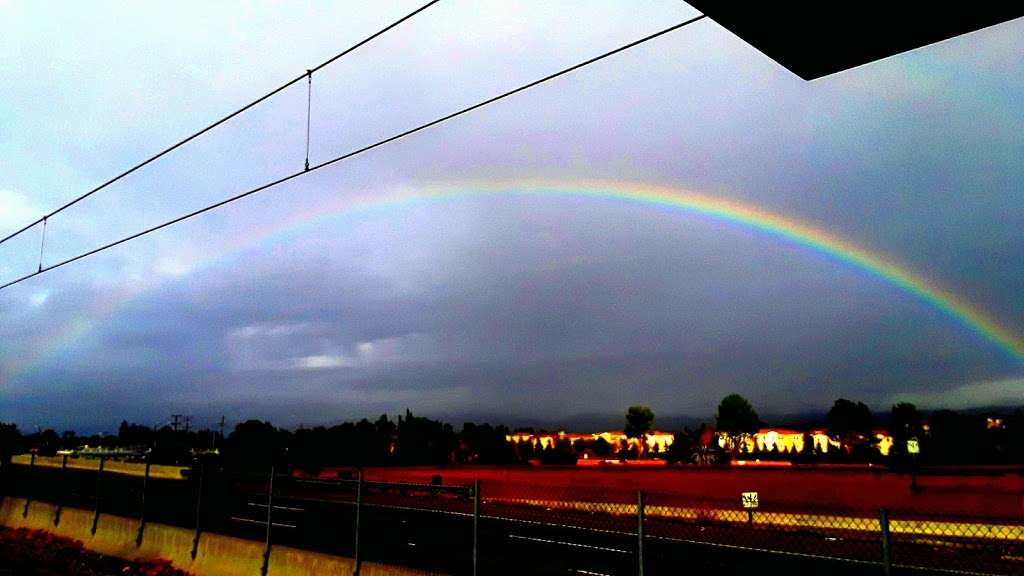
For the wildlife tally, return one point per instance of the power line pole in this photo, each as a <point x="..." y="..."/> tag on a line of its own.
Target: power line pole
<point x="213" y="437"/>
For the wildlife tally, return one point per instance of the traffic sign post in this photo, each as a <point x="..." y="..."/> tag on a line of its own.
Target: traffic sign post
<point x="750" y="501"/>
<point x="913" y="448"/>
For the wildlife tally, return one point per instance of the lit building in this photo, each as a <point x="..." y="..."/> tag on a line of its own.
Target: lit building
<point x="782" y="439"/>
<point x="547" y="440"/>
<point x="655" y="440"/>
<point x="823" y="442"/>
<point x="883" y="441"/>
<point x="793" y="441"/>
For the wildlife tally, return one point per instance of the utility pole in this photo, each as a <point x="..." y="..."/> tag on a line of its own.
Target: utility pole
<point x="181" y="422"/>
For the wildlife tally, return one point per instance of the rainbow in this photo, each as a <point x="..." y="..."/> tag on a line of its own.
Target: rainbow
<point x="708" y="207"/>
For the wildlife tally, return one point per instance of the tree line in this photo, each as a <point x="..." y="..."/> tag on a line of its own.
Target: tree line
<point x="944" y="437"/>
<point x="255" y="444"/>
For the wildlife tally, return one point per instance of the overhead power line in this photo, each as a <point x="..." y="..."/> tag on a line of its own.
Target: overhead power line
<point x="195" y="135"/>
<point x="358" y="151"/>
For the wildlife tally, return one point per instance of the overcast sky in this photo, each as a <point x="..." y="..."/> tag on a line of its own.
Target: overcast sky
<point x="516" y="306"/>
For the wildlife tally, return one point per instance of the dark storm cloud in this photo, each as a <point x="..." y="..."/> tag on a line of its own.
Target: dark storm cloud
<point x="586" y="308"/>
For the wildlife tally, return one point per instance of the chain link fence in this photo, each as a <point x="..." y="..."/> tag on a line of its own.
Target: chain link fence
<point x="503" y="528"/>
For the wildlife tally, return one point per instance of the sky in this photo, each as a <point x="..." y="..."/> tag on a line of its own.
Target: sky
<point x="350" y="291"/>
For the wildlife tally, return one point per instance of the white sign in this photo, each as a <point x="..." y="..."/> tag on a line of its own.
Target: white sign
<point x="749" y="499"/>
<point x="913" y="447"/>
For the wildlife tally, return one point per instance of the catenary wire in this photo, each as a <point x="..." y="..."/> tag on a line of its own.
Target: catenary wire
<point x="224" y="119"/>
<point x="356" y="152"/>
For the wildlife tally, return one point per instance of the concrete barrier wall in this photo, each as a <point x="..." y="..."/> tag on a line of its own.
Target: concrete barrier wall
<point x="217" y="555"/>
<point x="112" y="466"/>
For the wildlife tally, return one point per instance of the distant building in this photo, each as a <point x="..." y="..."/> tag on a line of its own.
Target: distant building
<point x="765" y="440"/>
<point x="782" y="439"/>
<point x="546" y="440"/>
<point x="655" y="440"/>
<point x="884" y="442"/>
<point x="116" y="453"/>
<point x="793" y="441"/>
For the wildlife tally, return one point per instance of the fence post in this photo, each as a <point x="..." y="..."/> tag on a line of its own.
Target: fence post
<point x="60" y="496"/>
<point x="270" y="508"/>
<point x="142" y="506"/>
<point x="356" y="563"/>
<point x="28" y="493"/>
<point x="640" y="532"/>
<point x="99" y="487"/>
<point x="883" y="522"/>
<point x="199" y="511"/>
<point x="476" y="523"/>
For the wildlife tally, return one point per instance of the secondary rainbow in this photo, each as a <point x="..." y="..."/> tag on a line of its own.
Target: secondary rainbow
<point x="348" y="205"/>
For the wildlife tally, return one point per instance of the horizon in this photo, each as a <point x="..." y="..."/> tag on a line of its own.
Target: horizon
<point x="579" y="422"/>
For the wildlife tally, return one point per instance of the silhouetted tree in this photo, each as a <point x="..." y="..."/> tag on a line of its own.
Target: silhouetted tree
<point x="627" y="452"/>
<point x="1015" y="432"/>
<point x="951" y="439"/>
<point x="311" y="450"/>
<point x="579" y="446"/>
<point x="679" y="450"/>
<point x="45" y="443"/>
<point x="525" y="450"/>
<point x="484" y="444"/>
<point x="135" y="435"/>
<point x="850" y="423"/>
<point x="807" y="451"/>
<point x="10" y="441"/>
<point x="905" y="423"/>
<point x="846" y="417"/>
<point x="560" y="452"/>
<point x="254" y="445"/>
<point x="737" y="418"/>
<point x="639" y="421"/>
<point x="422" y="441"/>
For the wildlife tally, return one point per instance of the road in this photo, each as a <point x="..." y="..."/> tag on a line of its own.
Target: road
<point x="981" y="493"/>
<point x="431" y="528"/>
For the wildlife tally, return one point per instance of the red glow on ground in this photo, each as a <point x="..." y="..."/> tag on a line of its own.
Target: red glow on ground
<point x="762" y="463"/>
<point x="990" y="495"/>
<point x="623" y="463"/>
